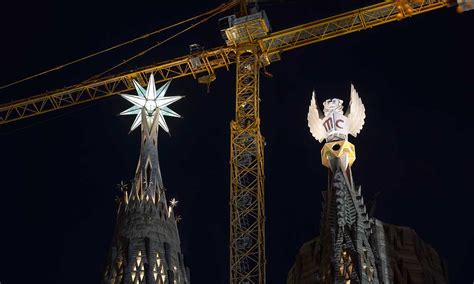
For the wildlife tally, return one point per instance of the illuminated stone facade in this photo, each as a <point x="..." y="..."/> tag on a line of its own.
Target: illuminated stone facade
<point x="351" y="250"/>
<point x="146" y="245"/>
<point x="410" y="259"/>
<point x="354" y="247"/>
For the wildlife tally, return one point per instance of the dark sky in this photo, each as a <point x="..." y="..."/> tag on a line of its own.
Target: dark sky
<point x="59" y="171"/>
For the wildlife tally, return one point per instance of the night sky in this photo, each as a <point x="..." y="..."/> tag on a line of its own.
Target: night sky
<point x="59" y="171"/>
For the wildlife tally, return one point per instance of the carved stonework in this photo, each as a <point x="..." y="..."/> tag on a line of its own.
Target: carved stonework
<point x="146" y="246"/>
<point x="411" y="260"/>
<point x="354" y="247"/>
<point x="348" y="253"/>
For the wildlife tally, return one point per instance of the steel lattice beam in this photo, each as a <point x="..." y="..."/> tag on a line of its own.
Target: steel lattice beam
<point x="102" y="88"/>
<point x="247" y="228"/>
<point x="346" y="23"/>
<point x="211" y="60"/>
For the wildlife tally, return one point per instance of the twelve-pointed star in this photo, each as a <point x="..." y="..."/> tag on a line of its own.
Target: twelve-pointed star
<point x="153" y="102"/>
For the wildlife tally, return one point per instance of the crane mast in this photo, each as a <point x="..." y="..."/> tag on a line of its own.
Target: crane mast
<point x="247" y="211"/>
<point x="247" y="214"/>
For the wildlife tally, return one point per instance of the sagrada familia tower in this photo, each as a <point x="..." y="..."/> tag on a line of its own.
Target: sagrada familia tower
<point x="146" y="245"/>
<point x="354" y="247"/>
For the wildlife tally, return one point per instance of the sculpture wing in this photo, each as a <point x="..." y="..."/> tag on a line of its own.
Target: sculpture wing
<point x="315" y="121"/>
<point x="355" y="113"/>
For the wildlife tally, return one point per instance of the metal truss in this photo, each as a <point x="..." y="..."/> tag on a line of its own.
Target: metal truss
<point x="346" y="23"/>
<point x="207" y="62"/>
<point x="249" y="32"/>
<point x="203" y="63"/>
<point x="247" y="228"/>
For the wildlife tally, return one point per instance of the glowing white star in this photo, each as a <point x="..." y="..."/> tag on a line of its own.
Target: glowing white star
<point x="153" y="102"/>
<point x="174" y="202"/>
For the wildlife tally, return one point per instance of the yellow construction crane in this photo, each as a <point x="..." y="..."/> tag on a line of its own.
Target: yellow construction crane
<point x="251" y="46"/>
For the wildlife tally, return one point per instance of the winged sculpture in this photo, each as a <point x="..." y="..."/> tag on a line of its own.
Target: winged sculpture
<point x="332" y="124"/>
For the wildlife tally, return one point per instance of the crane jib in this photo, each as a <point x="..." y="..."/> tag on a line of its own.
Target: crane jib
<point x="270" y="48"/>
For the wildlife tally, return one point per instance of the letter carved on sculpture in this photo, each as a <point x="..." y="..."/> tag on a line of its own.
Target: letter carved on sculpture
<point x="334" y="125"/>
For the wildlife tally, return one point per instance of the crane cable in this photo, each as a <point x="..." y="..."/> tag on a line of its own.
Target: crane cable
<point x="221" y="8"/>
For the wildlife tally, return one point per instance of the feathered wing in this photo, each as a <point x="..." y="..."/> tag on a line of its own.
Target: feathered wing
<point x="355" y="113"/>
<point x="315" y="121"/>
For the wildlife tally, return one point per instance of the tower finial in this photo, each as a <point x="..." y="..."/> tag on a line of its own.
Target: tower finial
<point x="152" y="102"/>
<point x="334" y="126"/>
<point x="150" y="106"/>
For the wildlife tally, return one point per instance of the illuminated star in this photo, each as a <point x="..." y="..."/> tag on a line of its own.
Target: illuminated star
<point x="153" y="102"/>
<point x="178" y="218"/>
<point x="173" y="202"/>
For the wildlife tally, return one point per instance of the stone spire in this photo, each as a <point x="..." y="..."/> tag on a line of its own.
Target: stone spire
<point x="146" y="245"/>
<point x="354" y="247"/>
<point x="348" y="253"/>
<point x="351" y="244"/>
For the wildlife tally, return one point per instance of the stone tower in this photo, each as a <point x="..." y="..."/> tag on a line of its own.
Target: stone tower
<point x="352" y="252"/>
<point x="349" y="250"/>
<point x="354" y="247"/>
<point x="146" y="245"/>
